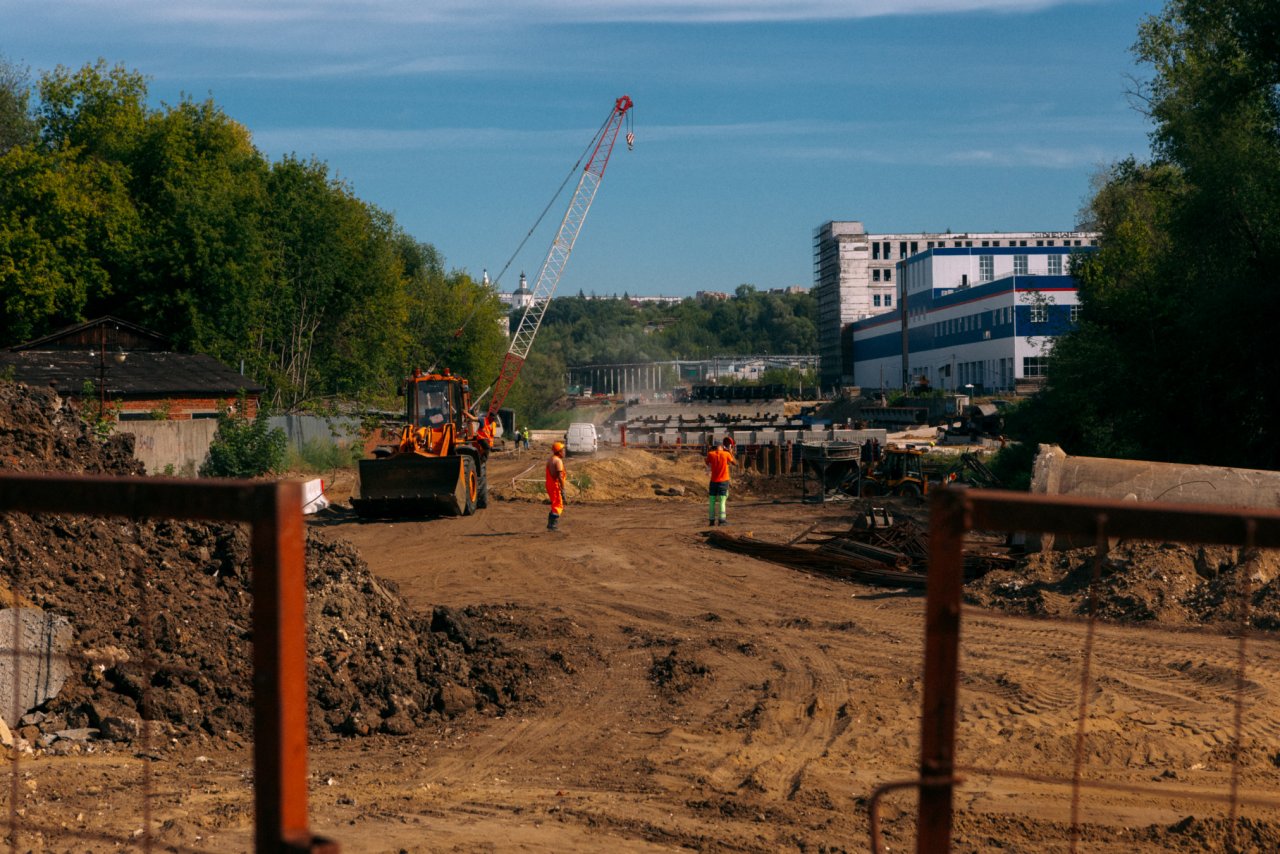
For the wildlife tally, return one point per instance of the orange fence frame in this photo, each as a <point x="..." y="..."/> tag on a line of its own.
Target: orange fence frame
<point x="273" y="511"/>
<point x="954" y="511"/>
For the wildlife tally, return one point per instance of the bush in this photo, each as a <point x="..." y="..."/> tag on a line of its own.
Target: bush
<point x="244" y="448"/>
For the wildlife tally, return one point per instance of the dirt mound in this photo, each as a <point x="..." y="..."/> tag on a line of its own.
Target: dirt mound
<point x="161" y="613"/>
<point x="613" y="476"/>
<point x="41" y="432"/>
<point x="1169" y="583"/>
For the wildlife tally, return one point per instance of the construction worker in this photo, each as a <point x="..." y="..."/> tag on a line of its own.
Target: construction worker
<point x="556" y="477"/>
<point x="718" y="461"/>
<point x="484" y="433"/>
<point x="524" y="437"/>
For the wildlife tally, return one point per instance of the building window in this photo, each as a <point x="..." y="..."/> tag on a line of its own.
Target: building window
<point x="875" y="275"/>
<point x="875" y="300"/>
<point x="888" y="300"/>
<point x="902" y="249"/>
<point x="1039" y="313"/>
<point x="1075" y="314"/>
<point x="1019" y="265"/>
<point x="915" y="247"/>
<point x="888" y="275"/>
<point x="986" y="268"/>
<point x="1055" y="265"/>
<point x="875" y="251"/>
<point x="1034" y="366"/>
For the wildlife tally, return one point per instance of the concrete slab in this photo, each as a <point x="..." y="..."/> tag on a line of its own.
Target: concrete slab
<point x="41" y="668"/>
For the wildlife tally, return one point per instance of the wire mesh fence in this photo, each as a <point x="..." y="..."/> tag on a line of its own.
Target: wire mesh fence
<point x="1077" y="741"/>
<point x="38" y="656"/>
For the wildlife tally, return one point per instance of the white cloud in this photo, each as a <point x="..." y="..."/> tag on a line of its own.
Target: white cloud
<point x="241" y="13"/>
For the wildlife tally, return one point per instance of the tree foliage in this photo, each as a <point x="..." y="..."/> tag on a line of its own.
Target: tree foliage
<point x="170" y="217"/>
<point x="1174" y="358"/>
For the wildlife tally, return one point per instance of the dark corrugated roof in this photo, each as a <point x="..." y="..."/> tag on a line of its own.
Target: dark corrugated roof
<point x="143" y="374"/>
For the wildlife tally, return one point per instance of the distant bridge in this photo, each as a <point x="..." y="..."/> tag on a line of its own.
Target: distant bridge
<point x="640" y="377"/>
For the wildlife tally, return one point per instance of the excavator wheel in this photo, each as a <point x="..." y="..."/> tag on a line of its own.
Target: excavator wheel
<point x="482" y="487"/>
<point x="907" y="490"/>
<point x="468" y="486"/>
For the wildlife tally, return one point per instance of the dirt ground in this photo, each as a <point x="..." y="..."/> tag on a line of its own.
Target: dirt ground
<point x="682" y="697"/>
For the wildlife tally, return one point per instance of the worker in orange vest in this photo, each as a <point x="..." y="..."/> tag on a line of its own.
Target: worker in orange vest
<point x="556" y="477"/>
<point x="485" y="430"/>
<point x="718" y="461"/>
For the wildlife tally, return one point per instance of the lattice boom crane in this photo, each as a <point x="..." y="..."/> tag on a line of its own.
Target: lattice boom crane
<point x="558" y="256"/>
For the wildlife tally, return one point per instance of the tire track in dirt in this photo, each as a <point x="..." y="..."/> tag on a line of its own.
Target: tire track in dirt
<point x="792" y="694"/>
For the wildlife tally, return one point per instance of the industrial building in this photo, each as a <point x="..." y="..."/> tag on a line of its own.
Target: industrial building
<point x="978" y="319"/>
<point x="855" y="276"/>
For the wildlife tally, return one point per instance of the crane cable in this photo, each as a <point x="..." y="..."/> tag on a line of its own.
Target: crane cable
<point x="573" y="170"/>
<point x="567" y="178"/>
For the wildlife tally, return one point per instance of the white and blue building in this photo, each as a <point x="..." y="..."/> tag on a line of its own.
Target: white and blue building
<point x="981" y="316"/>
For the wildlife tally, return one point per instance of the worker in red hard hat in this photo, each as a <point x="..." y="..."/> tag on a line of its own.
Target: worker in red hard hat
<point x="556" y="477"/>
<point x="718" y="461"/>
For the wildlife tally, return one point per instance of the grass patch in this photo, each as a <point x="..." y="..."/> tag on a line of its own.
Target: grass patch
<point x="317" y="456"/>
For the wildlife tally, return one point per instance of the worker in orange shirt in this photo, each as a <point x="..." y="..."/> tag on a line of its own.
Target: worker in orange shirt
<point x="485" y="429"/>
<point x="556" y="477"/>
<point x="718" y="461"/>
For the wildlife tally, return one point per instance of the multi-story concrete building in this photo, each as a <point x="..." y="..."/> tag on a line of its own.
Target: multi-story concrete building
<point x="855" y="276"/>
<point x="981" y="317"/>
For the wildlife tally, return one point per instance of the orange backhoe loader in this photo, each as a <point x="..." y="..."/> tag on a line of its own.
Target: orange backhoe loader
<point x="437" y="467"/>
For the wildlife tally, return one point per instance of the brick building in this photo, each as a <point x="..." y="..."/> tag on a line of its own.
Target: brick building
<point x="132" y="369"/>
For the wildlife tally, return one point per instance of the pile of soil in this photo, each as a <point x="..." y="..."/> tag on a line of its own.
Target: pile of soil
<point x="1173" y="584"/>
<point x="161" y="614"/>
<point x="618" y="476"/>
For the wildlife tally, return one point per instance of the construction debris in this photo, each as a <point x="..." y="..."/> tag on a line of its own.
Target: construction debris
<point x="875" y="549"/>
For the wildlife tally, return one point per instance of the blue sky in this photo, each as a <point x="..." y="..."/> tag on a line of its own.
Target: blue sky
<point x="755" y="120"/>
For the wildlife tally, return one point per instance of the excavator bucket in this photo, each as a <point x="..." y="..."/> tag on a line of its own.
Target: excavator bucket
<point x="415" y="485"/>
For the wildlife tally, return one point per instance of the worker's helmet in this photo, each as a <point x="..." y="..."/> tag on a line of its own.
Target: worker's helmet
<point x="557" y="448"/>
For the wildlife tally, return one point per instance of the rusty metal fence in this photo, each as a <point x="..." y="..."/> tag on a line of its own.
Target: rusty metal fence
<point x="954" y="512"/>
<point x="273" y="513"/>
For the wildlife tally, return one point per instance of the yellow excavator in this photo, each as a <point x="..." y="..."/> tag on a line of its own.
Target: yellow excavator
<point x="437" y="467"/>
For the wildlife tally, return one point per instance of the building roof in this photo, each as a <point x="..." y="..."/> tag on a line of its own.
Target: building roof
<point x="129" y="361"/>
<point x="142" y="374"/>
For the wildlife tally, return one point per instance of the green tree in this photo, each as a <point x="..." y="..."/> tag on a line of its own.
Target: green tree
<point x="17" y="126"/>
<point x="1174" y="359"/>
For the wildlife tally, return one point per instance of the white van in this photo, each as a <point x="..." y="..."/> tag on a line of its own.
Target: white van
<point x="581" y="438"/>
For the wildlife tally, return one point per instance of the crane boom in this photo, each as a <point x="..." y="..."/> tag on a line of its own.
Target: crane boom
<point x="558" y="255"/>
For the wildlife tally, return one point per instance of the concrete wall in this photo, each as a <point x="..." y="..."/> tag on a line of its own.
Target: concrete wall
<point x="171" y="447"/>
<point x="180" y="447"/>
<point x="1056" y="473"/>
